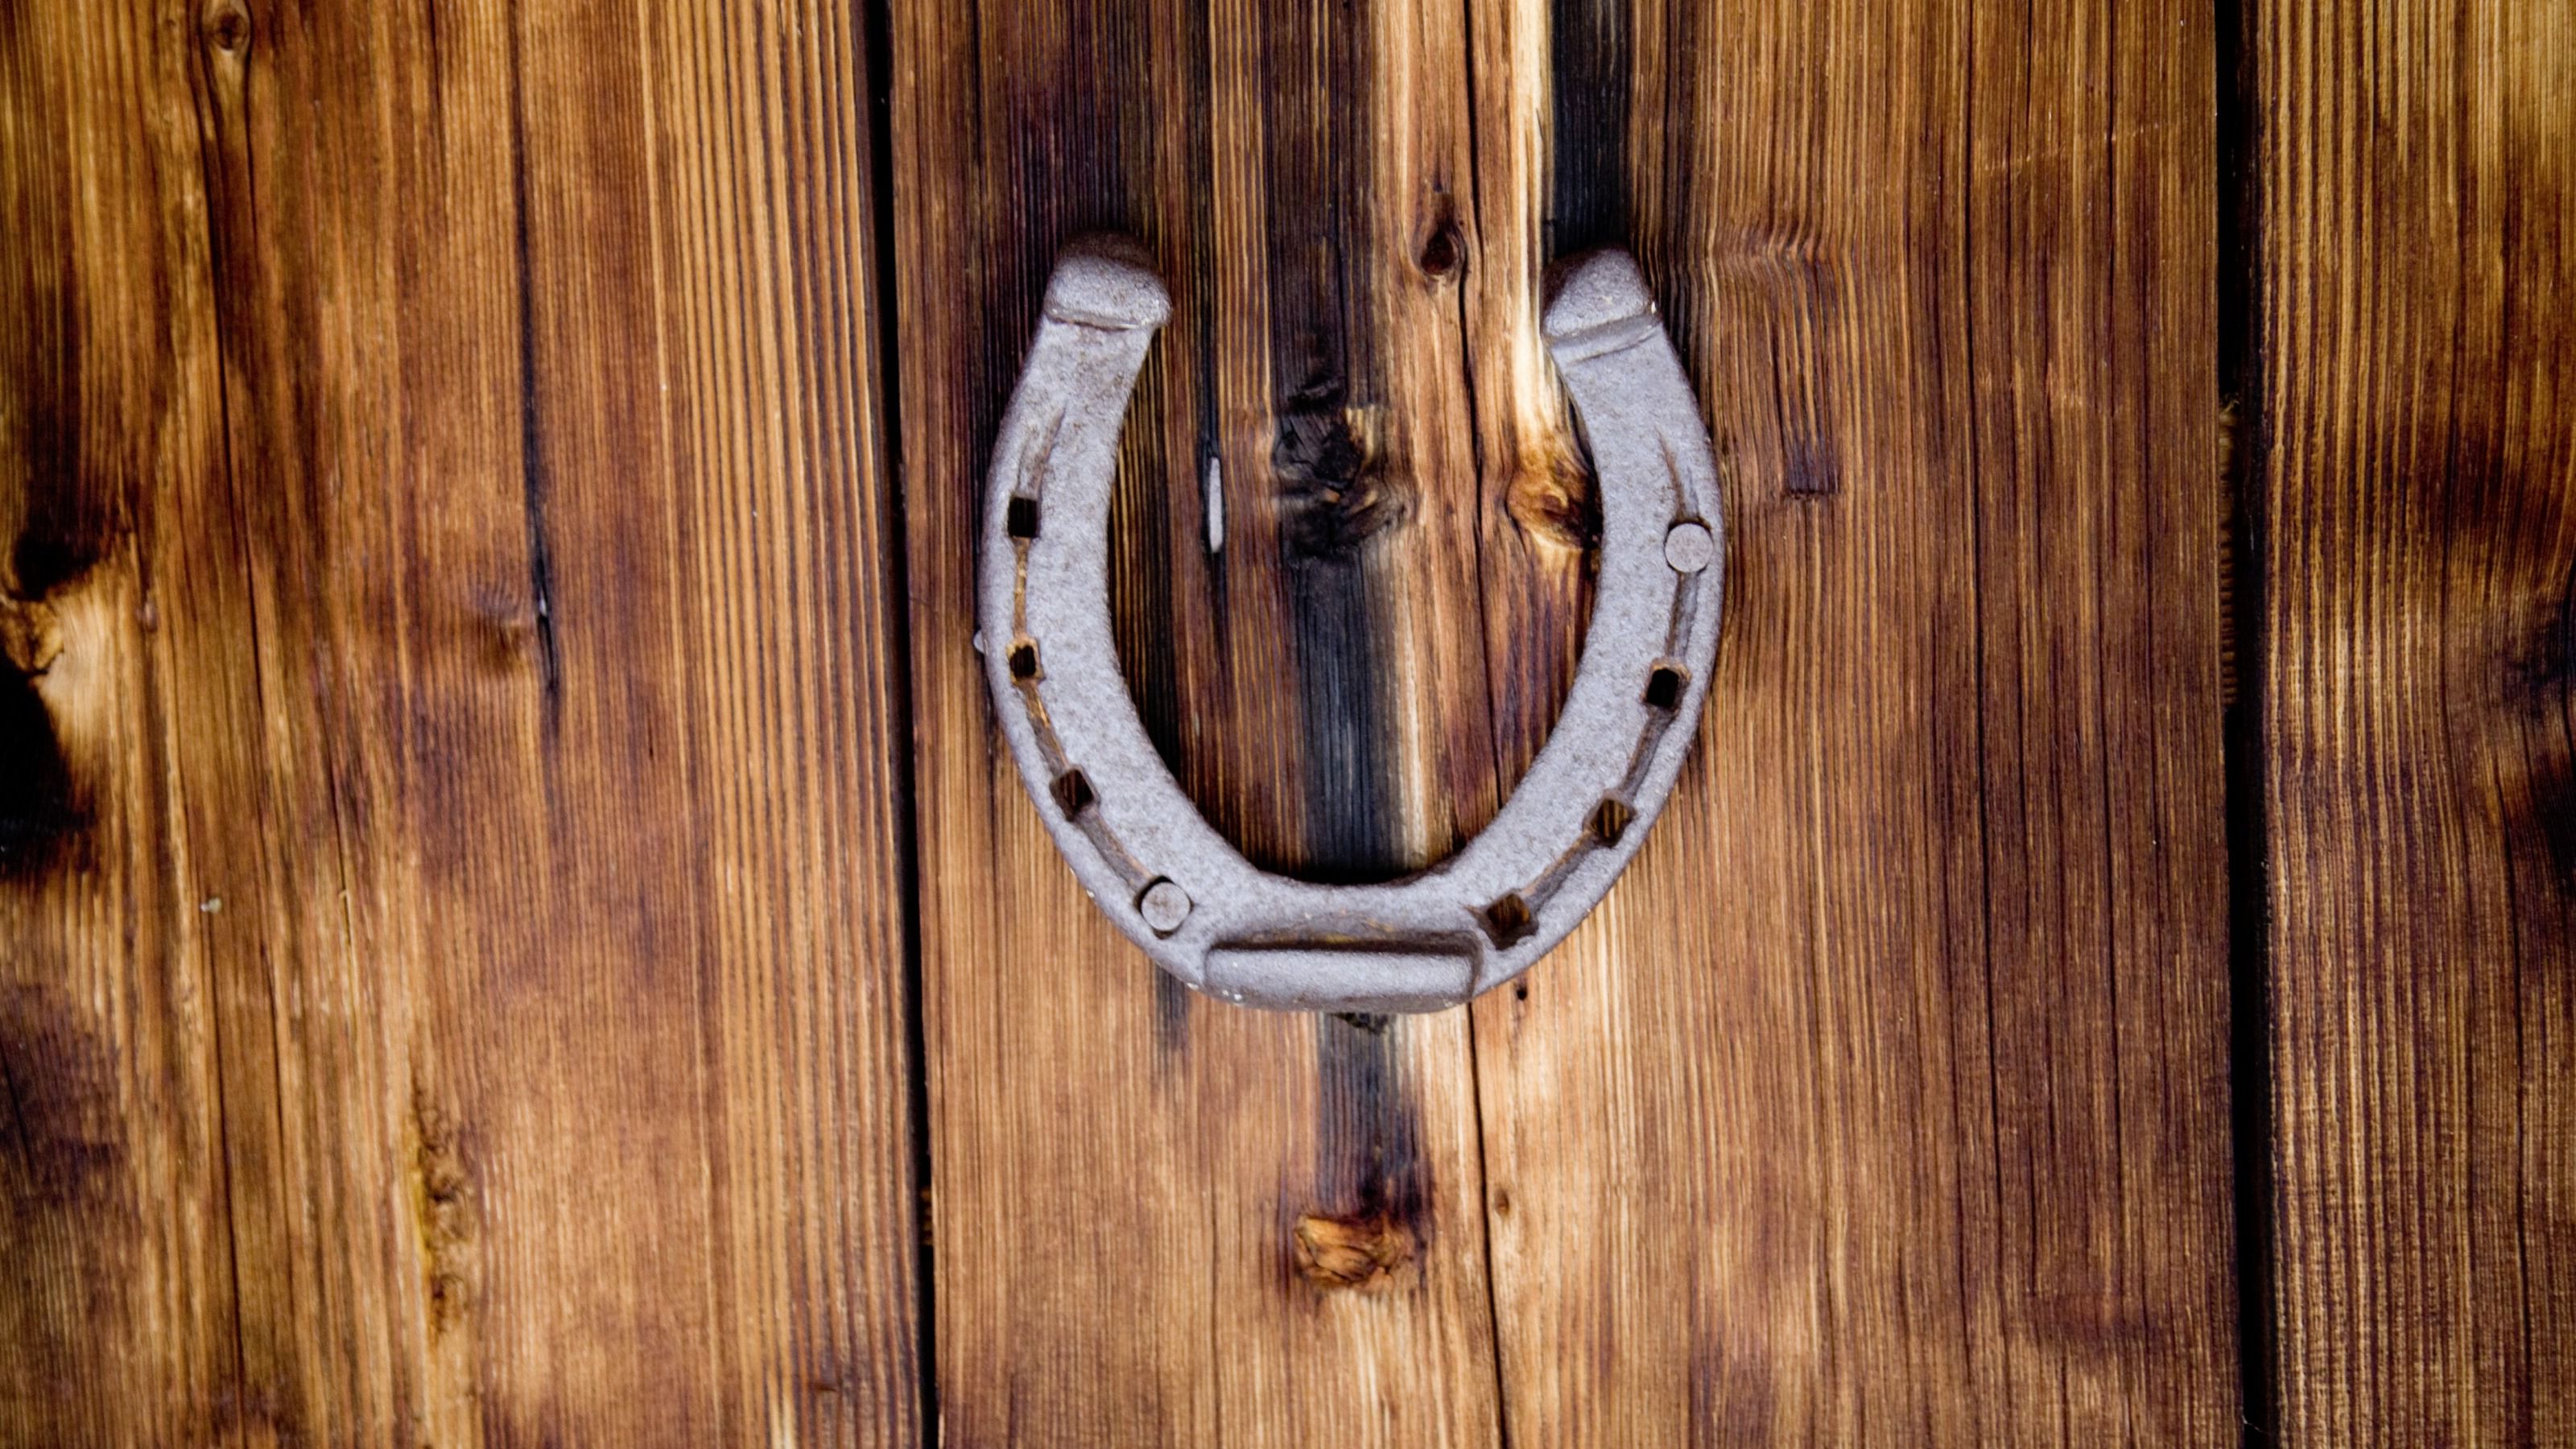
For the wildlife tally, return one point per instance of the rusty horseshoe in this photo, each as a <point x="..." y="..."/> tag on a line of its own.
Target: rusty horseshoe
<point x="1135" y="841"/>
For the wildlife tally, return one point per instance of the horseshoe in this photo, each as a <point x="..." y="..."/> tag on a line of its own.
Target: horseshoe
<point x="1161" y="872"/>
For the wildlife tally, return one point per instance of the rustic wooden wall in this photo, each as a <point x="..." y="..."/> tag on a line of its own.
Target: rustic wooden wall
<point x="515" y="926"/>
<point x="453" y="896"/>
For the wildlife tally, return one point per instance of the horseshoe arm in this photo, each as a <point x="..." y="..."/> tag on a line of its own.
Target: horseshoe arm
<point x="1136" y="842"/>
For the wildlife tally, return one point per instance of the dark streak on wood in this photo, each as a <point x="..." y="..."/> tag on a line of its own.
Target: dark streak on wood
<point x="2243" y="603"/>
<point x="1370" y="1163"/>
<point x="58" y="527"/>
<point x="61" y="522"/>
<point x="2542" y="679"/>
<point x="41" y="813"/>
<point x="1333" y="496"/>
<point x="532" y="428"/>
<point x="61" y="1147"/>
<point x="1592" y="57"/>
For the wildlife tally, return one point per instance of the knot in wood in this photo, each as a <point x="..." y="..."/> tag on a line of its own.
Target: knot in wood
<point x="1369" y="1254"/>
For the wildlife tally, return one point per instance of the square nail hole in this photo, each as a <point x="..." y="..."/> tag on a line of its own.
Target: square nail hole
<point x="1072" y="791"/>
<point x="1610" y="820"/>
<point x="1022" y="517"/>
<point x="1508" y="921"/>
<point x="1664" y="686"/>
<point x="1024" y="660"/>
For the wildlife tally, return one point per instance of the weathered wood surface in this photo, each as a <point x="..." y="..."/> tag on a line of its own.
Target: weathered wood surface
<point x="2415" y="373"/>
<point x="118" y="621"/>
<point x="1886" y="1098"/>
<point x="1157" y="1221"/>
<point x="481" y="726"/>
<point x="453" y="846"/>
<point x="1885" y="1101"/>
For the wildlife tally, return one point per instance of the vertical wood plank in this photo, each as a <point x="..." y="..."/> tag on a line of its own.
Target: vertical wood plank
<point x="2416" y="373"/>
<point x="532" y="716"/>
<point x="1884" y="1100"/>
<point x="120" y="621"/>
<point x="1157" y="1220"/>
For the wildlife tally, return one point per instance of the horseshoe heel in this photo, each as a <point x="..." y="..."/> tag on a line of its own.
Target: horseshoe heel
<point x="1134" y="840"/>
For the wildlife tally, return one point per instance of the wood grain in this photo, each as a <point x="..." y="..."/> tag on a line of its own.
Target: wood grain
<point x="484" y="729"/>
<point x="2415" y="168"/>
<point x="123" y="631"/>
<point x="1887" y="1098"/>
<point x="1884" y="1101"/>
<point x="476" y="1006"/>
<point x="1160" y="1221"/>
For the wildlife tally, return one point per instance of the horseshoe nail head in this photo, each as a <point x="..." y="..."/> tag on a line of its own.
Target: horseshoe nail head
<point x="1164" y="906"/>
<point x="1179" y="889"/>
<point x="1689" y="548"/>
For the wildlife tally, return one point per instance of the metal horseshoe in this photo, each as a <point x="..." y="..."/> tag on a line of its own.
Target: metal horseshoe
<point x="1134" y="840"/>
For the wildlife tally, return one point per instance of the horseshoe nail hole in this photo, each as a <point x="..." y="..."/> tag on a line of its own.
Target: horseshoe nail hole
<point x="1021" y="518"/>
<point x="1508" y="921"/>
<point x="1072" y="791"/>
<point x="1024" y="660"/>
<point x="1663" y="687"/>
<point x="1610" y="820"/>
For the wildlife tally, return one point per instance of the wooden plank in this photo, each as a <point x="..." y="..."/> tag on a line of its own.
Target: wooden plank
<point x="1156" y="1220"/>
<point x="121" y="631"/>
<point x="1885" y="1100"/>
<point x="531" y="712"/>
<point x="2416" y="371"/>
